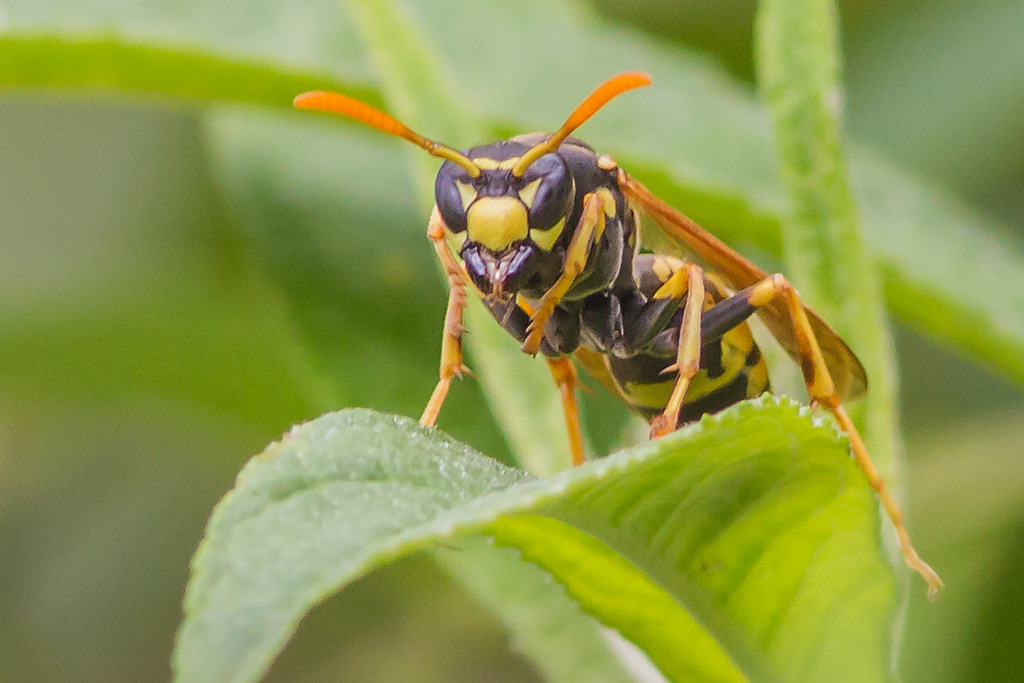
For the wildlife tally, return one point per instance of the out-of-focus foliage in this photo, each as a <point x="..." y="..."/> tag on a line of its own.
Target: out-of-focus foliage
<point x="146" y="348"/>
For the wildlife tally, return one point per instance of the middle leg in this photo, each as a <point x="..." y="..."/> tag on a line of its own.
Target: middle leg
<point x="688" y="281"/>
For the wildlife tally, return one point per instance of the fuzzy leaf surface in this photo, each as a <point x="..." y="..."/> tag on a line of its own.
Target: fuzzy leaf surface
<point x="750" y="537"/>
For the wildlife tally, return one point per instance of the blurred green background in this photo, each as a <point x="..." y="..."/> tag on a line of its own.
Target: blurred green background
<point x="148" y="347"/>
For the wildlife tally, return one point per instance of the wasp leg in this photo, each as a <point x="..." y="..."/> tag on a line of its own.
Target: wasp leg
<point x="688" y="281"/>
<point x="589" y="228"/>
<point x="564" y="373"/>
<point x="562" y="333"/>
<point x="451" y="341"/>
<point x="643" y="324"/>
<point x="822" y="392"/>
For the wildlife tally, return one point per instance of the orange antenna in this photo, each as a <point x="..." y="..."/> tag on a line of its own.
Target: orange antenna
<point x="614" y="86"/>
<point x="375" y="118"/>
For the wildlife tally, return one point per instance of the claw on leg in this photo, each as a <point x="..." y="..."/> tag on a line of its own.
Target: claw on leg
<point x="662" y="425"/>
<point x="860" y="454"/>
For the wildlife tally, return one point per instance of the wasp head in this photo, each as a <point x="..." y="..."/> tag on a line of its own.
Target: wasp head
<point x="505" y="226"/>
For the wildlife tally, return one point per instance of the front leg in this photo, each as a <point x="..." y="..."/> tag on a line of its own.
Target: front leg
<point x="451" y="340"/>
<point x="590" y="227"/>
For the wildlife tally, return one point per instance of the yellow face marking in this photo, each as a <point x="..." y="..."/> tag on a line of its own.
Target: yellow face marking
<point x="606" y="163"/>
<point x="488" y="164"/>
<point x="466" y="192"/>
<point x="529" y="193"/>
<point x="497" y="222"/>
<point x="545" y="239"/>
<point x="455" y="240"/>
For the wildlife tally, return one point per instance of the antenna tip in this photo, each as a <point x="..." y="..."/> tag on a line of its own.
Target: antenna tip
<point x="306" y="100"/>
<point x="629" y="80"/>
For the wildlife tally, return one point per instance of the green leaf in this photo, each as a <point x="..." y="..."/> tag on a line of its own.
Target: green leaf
<point x="750" y="531"/>
<point x="543" y="622"/>
<point x="312" y="35"/>
<point x="110" y="64"/>
<point x="639" y="609"/>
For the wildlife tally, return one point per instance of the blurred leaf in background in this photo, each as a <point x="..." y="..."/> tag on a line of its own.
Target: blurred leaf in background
<point x="180" y="281"/>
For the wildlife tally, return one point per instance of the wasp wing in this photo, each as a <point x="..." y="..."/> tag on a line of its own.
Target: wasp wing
<point x="844" y="367"/>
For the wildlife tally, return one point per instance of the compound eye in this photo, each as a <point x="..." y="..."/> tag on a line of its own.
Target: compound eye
<point x="547" y="191"/>
<point x="454" y="192"/>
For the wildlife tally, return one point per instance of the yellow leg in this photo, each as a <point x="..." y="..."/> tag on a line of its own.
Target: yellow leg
<point x="822" y="392"/>
<point x="451" y="341"/>
<point x="564" y="373"/>
<point x="687" y="281"/>
<point x="589" y="227"/>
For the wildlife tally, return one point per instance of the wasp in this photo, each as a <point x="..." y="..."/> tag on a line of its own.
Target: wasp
<point x="546" y="230"/>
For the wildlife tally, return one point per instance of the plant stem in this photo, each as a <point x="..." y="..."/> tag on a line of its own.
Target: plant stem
<point x="798" y="71"/>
